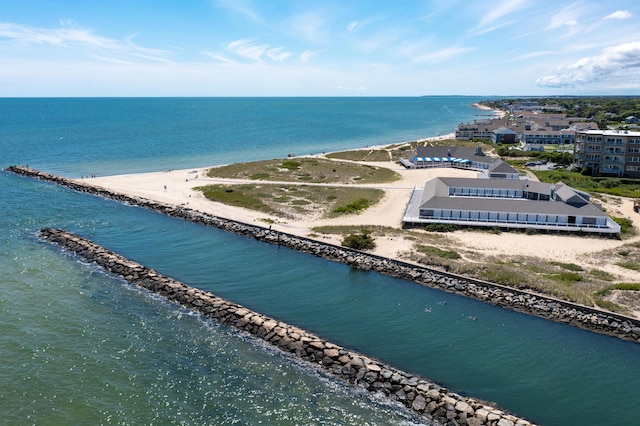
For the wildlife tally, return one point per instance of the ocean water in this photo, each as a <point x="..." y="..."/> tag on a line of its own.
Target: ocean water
<point x="81" y="347"/>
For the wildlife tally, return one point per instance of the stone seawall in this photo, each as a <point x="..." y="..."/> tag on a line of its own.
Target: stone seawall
<point x="522" y="301"/>
<point x="424" y="397"/>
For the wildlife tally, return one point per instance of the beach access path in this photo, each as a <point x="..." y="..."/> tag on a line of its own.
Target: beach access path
<point x="176" y="187"/>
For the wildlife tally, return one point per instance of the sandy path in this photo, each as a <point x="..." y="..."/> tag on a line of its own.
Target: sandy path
<point x="179" y="186"/>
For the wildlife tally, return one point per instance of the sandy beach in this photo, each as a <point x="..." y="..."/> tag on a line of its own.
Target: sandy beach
<point x="177" y="187"/>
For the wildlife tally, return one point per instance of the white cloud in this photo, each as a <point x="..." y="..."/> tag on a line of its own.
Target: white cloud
<point x="505" y="8"/>
<point x="480" y="31"/>
<point x="615" y="63"/>
<point x="306" y="56"/>
<point x="73" y="37"/>
<point x="219" y="57"/>
<point x="278" y="54"/>
<point x="443" y="54"/>
<point x="531" y="55"/>
<point x="620" y="14"/>
<point x="254" y="51"/>
<point x="567" y="17"/>
<point x="248" y="49"/>
<point x="241" y="7"/>
<point x="352" y="25"/>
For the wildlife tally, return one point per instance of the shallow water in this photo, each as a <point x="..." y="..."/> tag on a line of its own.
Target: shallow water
<point x="84" y="347"/>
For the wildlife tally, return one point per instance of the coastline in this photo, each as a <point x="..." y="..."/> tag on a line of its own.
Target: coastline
<point x="522" y="301"/>
<point x="498" y="112"/>
<point x="180" y="191"/>
<point x="544" y="306"/>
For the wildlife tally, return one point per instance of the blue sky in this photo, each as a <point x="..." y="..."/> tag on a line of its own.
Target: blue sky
<point x="319" y="48"/>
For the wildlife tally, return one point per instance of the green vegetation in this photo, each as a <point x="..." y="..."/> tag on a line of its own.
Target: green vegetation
<point x="395" y="152"/>
<point x="634" y="266"/>
<point x="363" y="155"/>
<point x="355" y="207"/>
<point x="626" y="225"/>
<point x="568" y="266"/>
<point x="621" y="187"/>
<point x="239" y="196"/>
<point x="601" y="275"/>
<point x="604" y="110"/>
<point x="566" y="277"/>
<point x="361" y="241"/>
<point x="440" y="227"/>
<point x="313" y="170"/>
<point x="504" y="275"/>
<point x="608" y="305"/>
<point x="557" y="157"/>
<point x="599" y="296"/>
<point x="435" y="251"/>
<point x="287" y="201"/>
<point x="376" y="230"/>
<point x="627" y="286"/>
<point x="291" y="165"/>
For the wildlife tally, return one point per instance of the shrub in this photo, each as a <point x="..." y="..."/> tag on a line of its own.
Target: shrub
<point x="627" y="286"/>
<point x="601" y="275"/>
<point x="440" y="227"/>
<point x="447" y="254"/>
<point x="629" y="265"/>
<point x="291" y="165"/>
<point x="568" y="266"/>
<point x="362" y="241"/>
<point x="626" y="225"/>
<point x="354" y="207"/>
<point x="608" y="305"/>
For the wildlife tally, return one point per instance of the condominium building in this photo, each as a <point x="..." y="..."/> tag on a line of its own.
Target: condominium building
<point x="506" y="203"/>
<point x="608" y="152"/>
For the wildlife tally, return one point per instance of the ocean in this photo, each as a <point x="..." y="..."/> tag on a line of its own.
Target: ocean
<point x="81" y="347"/>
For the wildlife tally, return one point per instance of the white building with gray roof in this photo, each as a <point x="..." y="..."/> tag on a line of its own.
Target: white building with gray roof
<point x="506" y="203"/>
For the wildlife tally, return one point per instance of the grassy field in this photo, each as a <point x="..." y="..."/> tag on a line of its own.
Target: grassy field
<point x="296" y="199"/>
<point x="397" y="151"/>
<point x="621" y="187"/>
<point x="312" y="170"/>
<point x="293" y="201"/>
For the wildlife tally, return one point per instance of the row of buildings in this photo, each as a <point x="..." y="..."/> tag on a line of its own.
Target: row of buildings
<point x="602" y="152"/>
<point x="528" y="128"/>
<point x="499" y="197"/>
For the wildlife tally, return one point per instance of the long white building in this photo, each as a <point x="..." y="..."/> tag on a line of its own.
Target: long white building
<point x="506" y="203"/>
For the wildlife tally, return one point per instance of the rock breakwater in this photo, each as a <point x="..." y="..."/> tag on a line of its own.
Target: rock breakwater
<point x="519" y="300"/>
<point x="424" y="397"/>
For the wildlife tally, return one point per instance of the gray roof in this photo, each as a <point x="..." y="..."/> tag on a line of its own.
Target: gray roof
<point x="502" y="167"/>
<point x="453" y="151"/>
<point x="505" y="131"/>
<point x="436" y="196"/>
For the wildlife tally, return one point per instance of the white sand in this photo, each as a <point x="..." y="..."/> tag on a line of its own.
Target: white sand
<point x="563" y="248"/>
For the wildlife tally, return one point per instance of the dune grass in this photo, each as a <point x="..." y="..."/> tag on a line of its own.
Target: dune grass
<point x="290" y="201"/>
<point x="311" y="170"/>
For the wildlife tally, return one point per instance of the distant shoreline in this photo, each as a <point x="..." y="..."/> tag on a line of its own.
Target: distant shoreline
<point x="176" y="187"/>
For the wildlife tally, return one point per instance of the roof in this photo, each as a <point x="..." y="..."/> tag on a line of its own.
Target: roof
<point x="609" y="133"/>
<point x="453" y="151"/>
<point x="436" y="196"/>
<point x="504" y="131"/>
<point x="502" y="167"/>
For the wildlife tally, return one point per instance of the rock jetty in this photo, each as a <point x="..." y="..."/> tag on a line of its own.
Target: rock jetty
<point x="424" y="397"/>
<point x="585" y="317"/>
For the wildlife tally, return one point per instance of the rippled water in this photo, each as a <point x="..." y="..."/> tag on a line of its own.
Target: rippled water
<point x="79" y="346"/>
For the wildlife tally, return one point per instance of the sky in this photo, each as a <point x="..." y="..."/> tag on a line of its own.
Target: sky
<point x="319" y="48"/>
